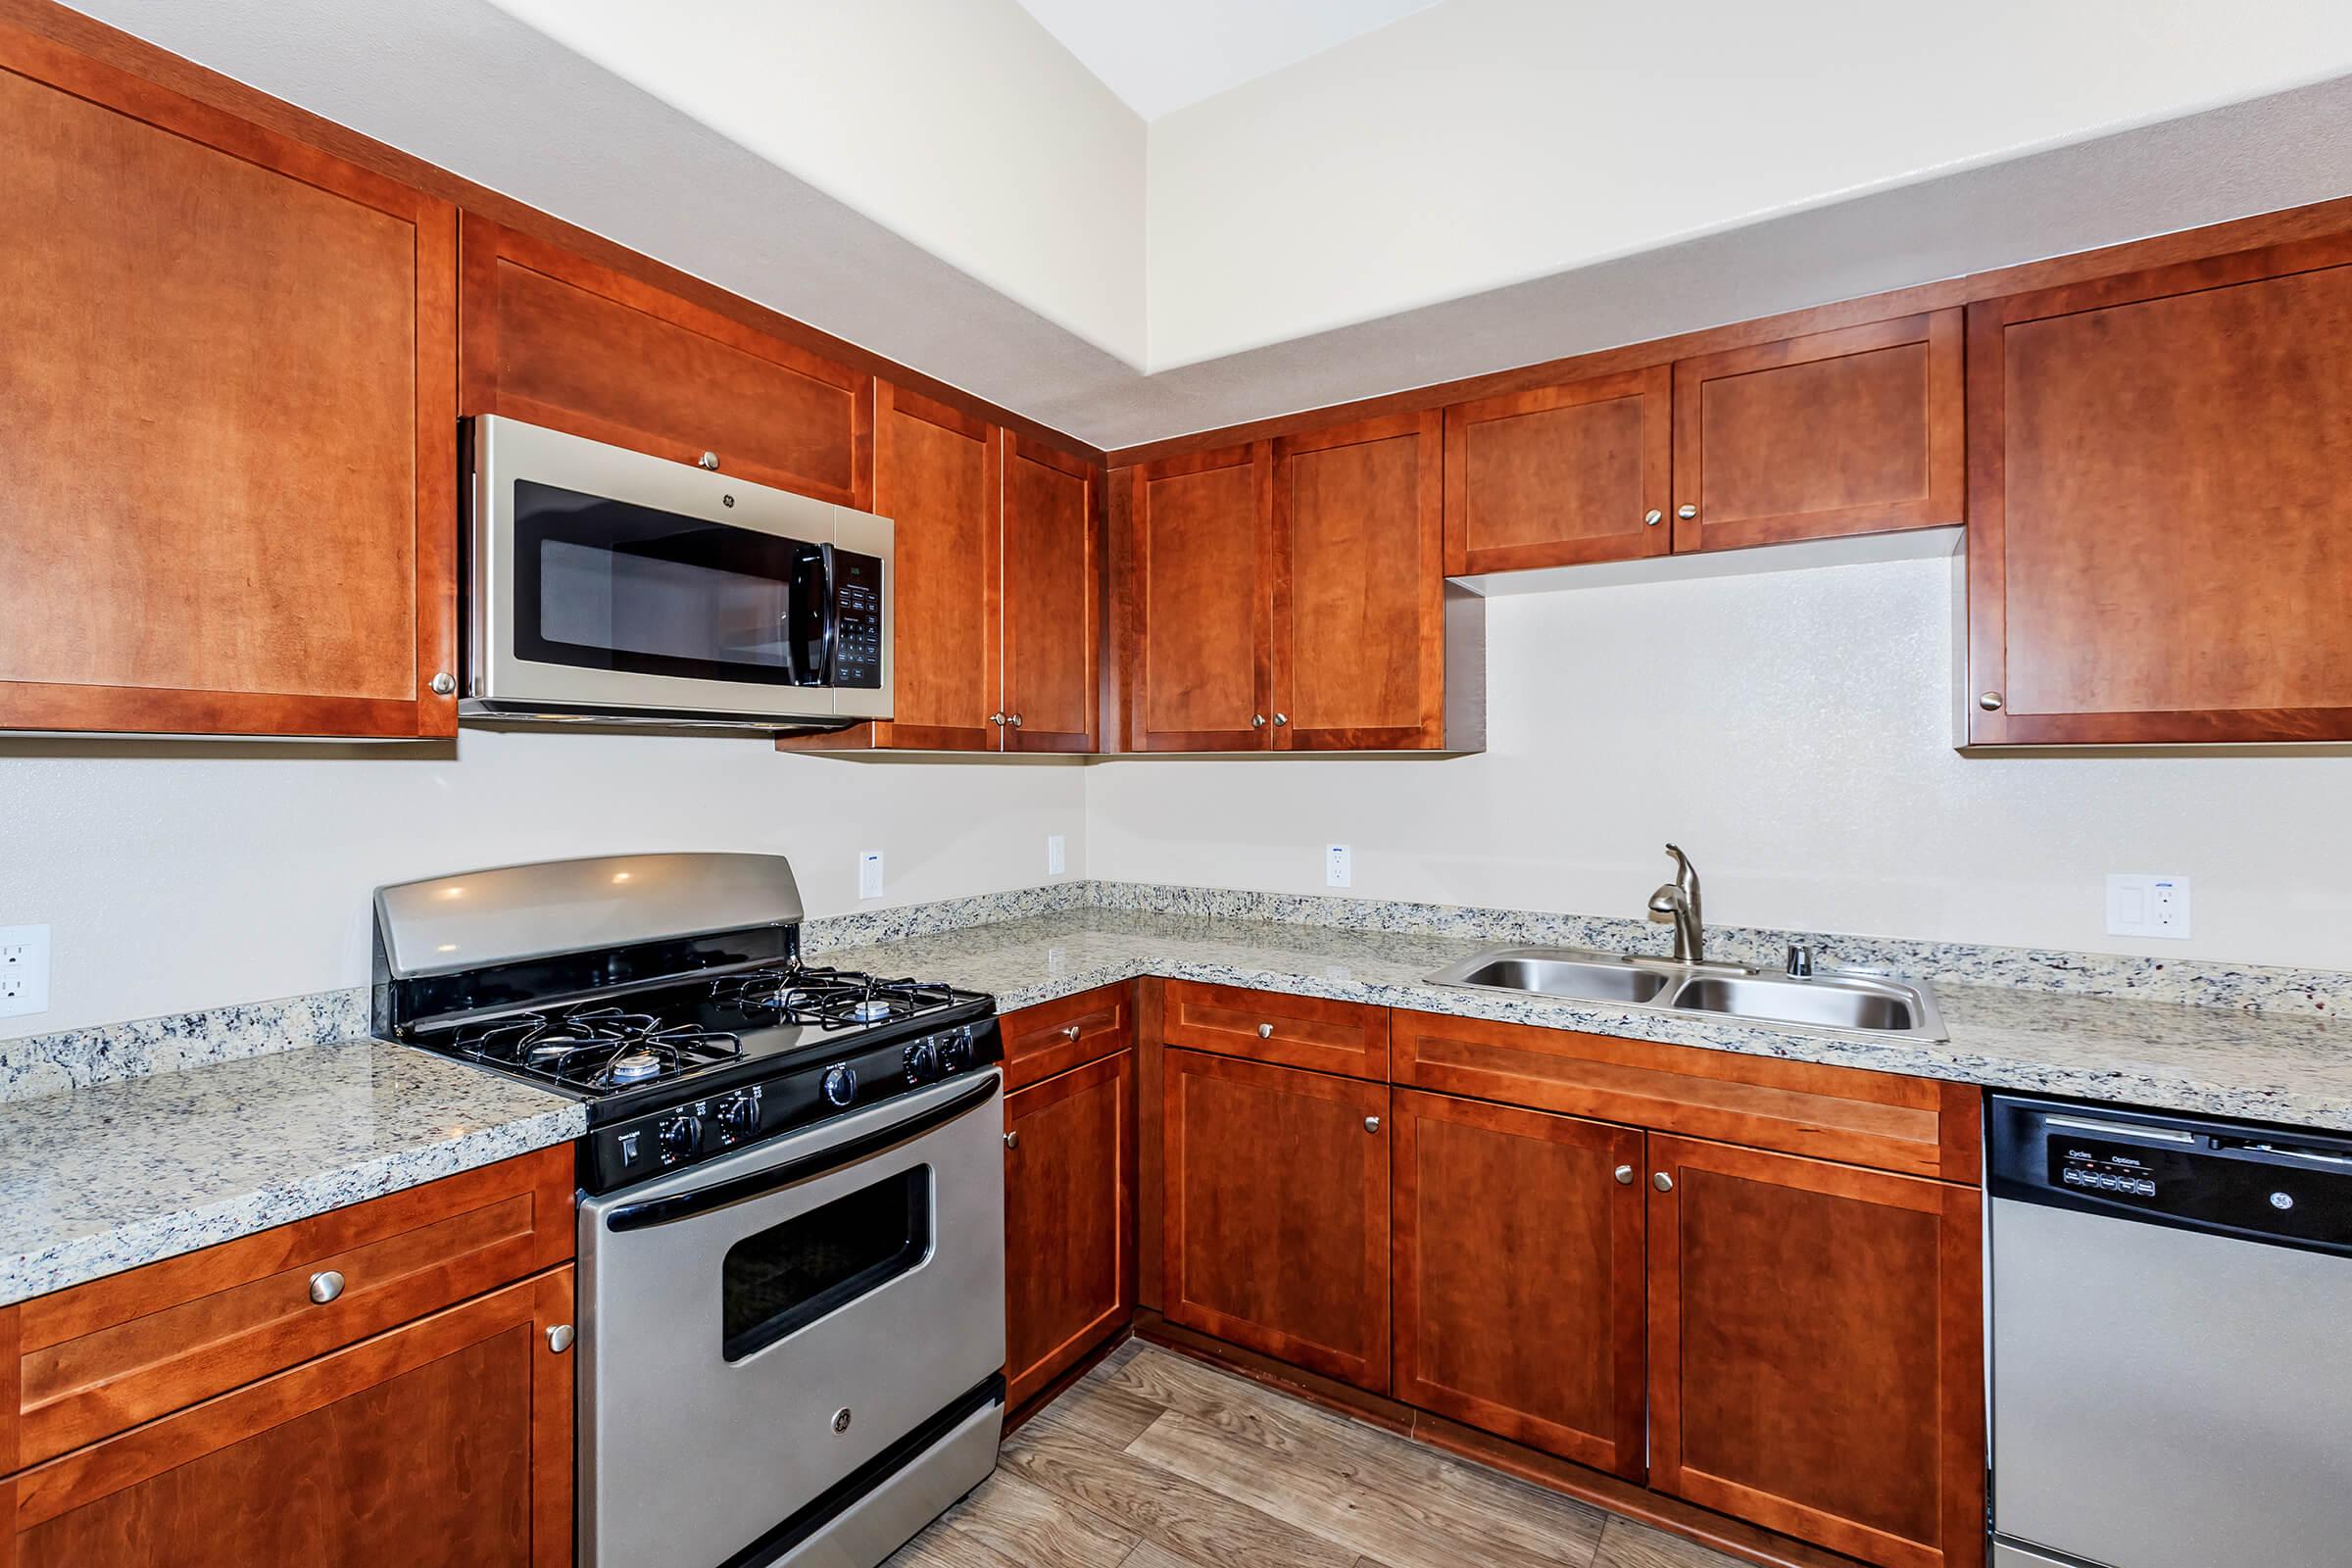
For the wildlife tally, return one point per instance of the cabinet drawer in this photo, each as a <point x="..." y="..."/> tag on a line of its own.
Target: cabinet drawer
<point x="1340" y="1037"/>
<point x="1915" y="1126"/>
<point x="93" y="1360"/>
<point x="1053" y="1037"/>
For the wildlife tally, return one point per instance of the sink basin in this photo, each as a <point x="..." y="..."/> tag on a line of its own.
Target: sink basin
<point x="1834" y="999"/>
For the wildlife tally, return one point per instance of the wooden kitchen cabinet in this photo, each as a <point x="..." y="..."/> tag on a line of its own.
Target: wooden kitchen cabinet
<point x="554" y="339"/>
<point x="227" y="504"/>
<point x="2160" y="532"/>
<point x="1560" y="476"/>
<point x="1198" y="602"/>
<point x="1856" y="430"/>
<point x="1052" y="608"/>
<point x="1816" y="1351"/>
<point x="1519" y="1276"/>
<point x="1069" y="1220"/>
<point x="446" y="1440"/>
<point x="1275" y="1230"/>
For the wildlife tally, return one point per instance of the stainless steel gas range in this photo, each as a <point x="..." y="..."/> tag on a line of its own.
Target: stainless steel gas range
<point x="792" y="1198"/>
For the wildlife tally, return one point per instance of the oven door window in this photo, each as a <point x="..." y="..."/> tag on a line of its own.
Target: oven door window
<point x="605" y="584"/>
<point x="787" y="1276"/>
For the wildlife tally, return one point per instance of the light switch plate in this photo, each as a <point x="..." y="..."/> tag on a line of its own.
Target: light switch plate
<point x="1339" y="865"/>
<point x="2142" y="904"/>
<point x="1056" y="862"/>
<point x="24" y="970"/>
<point x="869" y="873"/>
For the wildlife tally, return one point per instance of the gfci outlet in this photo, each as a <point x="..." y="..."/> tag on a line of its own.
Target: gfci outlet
<point x="1056" y="862"/>
<point x="869" y="873"/>
<point x="24" y="970"/>
<point x="2142" y="904"/>
<point x="1339" y="867"/>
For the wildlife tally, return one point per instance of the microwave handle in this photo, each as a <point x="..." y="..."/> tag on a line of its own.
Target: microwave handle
<point x="832" y="621"/>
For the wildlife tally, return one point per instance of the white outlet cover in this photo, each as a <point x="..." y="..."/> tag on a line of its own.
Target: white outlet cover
<point x="1057" y="861"/>
<point x="2145" y="904"/>
<point x="1339" y="865"/>
<point x="24" y="970"/>
<point x="869" y="873"/>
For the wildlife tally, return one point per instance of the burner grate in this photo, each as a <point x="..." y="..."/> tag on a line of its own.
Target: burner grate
<point x="830" y="998"/>
<point x="595" y="1048"/>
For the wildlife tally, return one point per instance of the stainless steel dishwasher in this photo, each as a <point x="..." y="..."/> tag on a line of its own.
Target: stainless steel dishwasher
<point x="2171" y="1340"/>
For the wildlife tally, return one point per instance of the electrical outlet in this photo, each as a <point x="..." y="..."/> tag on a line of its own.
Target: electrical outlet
<point x="1055" y="861"/>
<point x="24" y="970"/>
<point x="2144" y="905"/>
<point x="869" y="873"/>
<point x="1339" y="865"/>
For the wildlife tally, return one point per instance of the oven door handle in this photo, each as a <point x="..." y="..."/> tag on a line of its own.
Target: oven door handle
<point x="758" y="1184"/>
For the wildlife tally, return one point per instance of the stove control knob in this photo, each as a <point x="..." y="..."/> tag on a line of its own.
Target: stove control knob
<point x="922" y="1062"/>
<point x="841" y="1084"/>
<point x="738" y="1115"/>
<point x="956" y="1051"/>
<point x="678" y="1136"/>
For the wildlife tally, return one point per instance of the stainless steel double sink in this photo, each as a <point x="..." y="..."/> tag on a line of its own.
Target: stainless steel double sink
<point x="1841" y="1001"/>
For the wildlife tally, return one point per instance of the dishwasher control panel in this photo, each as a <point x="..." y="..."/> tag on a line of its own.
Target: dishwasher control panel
<point x="2260" y="1183"/>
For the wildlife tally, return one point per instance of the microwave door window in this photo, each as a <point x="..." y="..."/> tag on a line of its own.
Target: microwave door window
<point x="607" y="585"/>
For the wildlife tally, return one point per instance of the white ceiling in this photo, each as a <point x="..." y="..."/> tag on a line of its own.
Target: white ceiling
<point x="1163" y="55"/>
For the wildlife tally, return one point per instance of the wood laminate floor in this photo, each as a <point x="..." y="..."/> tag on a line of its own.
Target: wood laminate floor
<point x="1155" y="1461"/>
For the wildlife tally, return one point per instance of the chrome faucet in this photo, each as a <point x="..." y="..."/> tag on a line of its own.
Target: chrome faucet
<point x="1678" y="900"/>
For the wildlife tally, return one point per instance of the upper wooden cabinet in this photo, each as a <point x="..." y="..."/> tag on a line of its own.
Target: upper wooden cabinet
<point x="2160" y="528"/>
<point x="555" y="339"/>
<point x="1198" y="596"/>
<point x="1852" y="431"/>
<point x="1560" y="476"/>
<point x="1816" y="1350"/>
<point x="1051" y="599"/>
<point x="227" y="500"/>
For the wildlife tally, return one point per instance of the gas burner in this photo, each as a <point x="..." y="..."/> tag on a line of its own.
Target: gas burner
<point x="595" y="1048"/>
<point x="635" y="1066"/>
<point x="830" y="998"/>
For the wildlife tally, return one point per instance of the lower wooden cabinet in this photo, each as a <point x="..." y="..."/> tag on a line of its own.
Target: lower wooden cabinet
<point x="449" y="1441"/>
<point x="1276" y="1230"/>
<point x="1519" y="1276"/>
<point x="1069" y="1220"/>
<point x="1816" y="1350"/>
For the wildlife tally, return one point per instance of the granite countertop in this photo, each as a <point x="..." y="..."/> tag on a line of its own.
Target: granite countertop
<point x="108" y="1177"/>
<point x="2213" y="1060"/>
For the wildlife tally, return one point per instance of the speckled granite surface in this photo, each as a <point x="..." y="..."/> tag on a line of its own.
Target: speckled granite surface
<point x="110" y="1052"/>
<point x="2219" y="1060"/>
<point x="108" y="1177"/>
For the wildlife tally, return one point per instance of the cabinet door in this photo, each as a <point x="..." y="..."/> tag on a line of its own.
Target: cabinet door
<point x="1069" y="1220"/>
<point x="1199" y="601"/>
<point x="1844" y="432"/>
<point x="1560" y="476"/>
<point x="1360" y="618"/>
<point x="1816" y="1351"/>
<point x="1053" y="506"/>
<point x="2160" y="535"/>
<point x="555" y="339"/>
<point x="1519" y="1276"/>
<point x="1276" y="1231"/>
<point x="936" y="478"/>
<point x="227" y="500"/>
<point x="449" y="1441"/>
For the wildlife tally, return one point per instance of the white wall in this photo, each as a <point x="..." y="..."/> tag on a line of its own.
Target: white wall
<point x="181" y="875"/>
<point x="1792" y="732"/>
<point x="1483" y="143"/>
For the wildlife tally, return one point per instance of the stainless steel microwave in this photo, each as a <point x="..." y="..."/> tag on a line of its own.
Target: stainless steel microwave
<point x="612" y="587"/>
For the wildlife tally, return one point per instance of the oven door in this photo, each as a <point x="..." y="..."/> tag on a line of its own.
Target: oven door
<point x="608" y="584"/>
<point x="761" y="1333"/>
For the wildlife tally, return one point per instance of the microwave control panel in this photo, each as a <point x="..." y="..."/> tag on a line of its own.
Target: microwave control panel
<point x="858" y="619"/>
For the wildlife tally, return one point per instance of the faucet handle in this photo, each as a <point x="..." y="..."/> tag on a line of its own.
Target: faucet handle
<point x="1800" y="959"/>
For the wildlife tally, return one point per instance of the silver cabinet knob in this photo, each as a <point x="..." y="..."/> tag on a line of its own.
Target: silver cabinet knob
<point x="1371" y="1124"/>
<point x="1662" y="1182"/>
<point x="1014" y="719"/>
<point x="1258" y="721"/>
<point x="1282" y="718"/>
<point x="708" y="460"/>
<point x="1991" y="702"/>
<point x="1685" y="512"/>
<point x="326" y="1286"/>
<point x="444" y="683"/>
<point x="559" y="1338"/>
<point x="1266" y="1031"/>
<point x="1069" y="1031"/>
<point x="1012" y="1139"/>
<point x="1625" y="1175"/>
<point x="996" y="719"/>
<point x="1652" y="518"/>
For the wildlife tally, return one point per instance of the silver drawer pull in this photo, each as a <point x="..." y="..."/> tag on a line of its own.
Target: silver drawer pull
<point x="326" y="1286"/>
<point x="559" y="1338"/>
<point x="1266" y="1031"/>
<point x="1069" y="1031"/>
